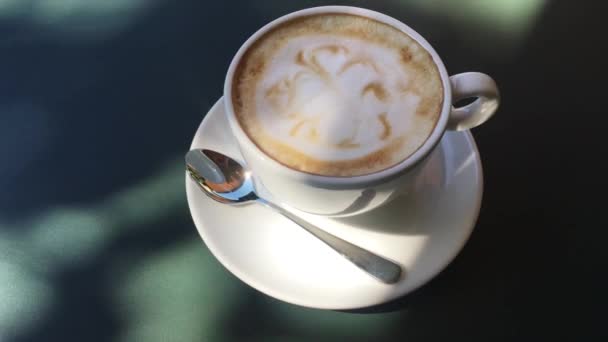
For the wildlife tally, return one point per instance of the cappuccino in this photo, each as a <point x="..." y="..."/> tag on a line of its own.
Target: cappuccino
<point x="337" y="95"/>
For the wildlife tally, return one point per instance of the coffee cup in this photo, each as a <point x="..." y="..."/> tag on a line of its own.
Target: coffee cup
<point x="336" y="109"/>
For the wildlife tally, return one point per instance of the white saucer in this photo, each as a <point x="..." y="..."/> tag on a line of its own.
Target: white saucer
<point x="423" y="233"/>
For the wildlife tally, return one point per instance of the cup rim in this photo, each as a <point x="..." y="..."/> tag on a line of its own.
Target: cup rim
<point x="338" y="181"/>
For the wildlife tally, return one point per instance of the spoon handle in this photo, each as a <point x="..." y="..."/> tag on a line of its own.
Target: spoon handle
<point x="382" y="269"/>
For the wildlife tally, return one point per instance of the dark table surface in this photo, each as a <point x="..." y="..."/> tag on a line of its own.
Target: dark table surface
<point x="98" y="104"/>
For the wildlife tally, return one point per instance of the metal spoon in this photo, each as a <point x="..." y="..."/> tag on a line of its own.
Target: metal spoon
<point x="225" y="180"/>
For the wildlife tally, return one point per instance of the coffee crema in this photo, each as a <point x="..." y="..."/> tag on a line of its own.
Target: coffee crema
<point x="337" y="94"/>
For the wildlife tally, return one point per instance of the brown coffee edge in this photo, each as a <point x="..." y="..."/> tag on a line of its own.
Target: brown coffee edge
<point x="301" y="162"/>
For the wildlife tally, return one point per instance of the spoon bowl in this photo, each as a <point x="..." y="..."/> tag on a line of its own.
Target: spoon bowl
<point x="220" y="177"/>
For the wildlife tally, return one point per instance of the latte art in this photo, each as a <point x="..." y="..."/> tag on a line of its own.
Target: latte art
<point x="337" y="95"/>
<point x="333" y="96"/>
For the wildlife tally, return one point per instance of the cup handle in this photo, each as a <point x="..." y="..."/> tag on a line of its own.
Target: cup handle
<point x="468" y="85"/>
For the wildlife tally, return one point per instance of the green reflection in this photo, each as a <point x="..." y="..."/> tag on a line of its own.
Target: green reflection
<point x="181" y="294"/>
<point x="10" y="8"/>
<point x="32" y="251"/>
<point x="63" y="235"/>
<point x="66" y="235"/>
<point x="151" y="200"/>
<point x="76" y="18"/>
<point x="62" y="9"/>
<point x="512" y="17"/>
<point x="25" y="298"/>
<point x="496" y="28"/>
<point x="184" y="294"/>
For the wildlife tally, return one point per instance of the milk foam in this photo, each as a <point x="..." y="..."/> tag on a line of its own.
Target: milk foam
<point x="325" y="100"/>
<point x="341" y="102"/>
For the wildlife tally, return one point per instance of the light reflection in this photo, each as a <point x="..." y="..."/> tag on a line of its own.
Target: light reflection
<point x="182" y="290"/>
<point x="31" y="252"/>
<point x="25" y="299"/>
<point x="510" y="18"/>
<point x="65" y="235"/>
<point x="76" y="18"/>
<point x="470" y="161"/>
<point x="10" y="8"/>
<point x="151" y="200"/>
<point x="492" y="27"/>
<point x="513" y="17"/>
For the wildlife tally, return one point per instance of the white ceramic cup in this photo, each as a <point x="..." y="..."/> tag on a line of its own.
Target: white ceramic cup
<point x="346" y="196"/>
